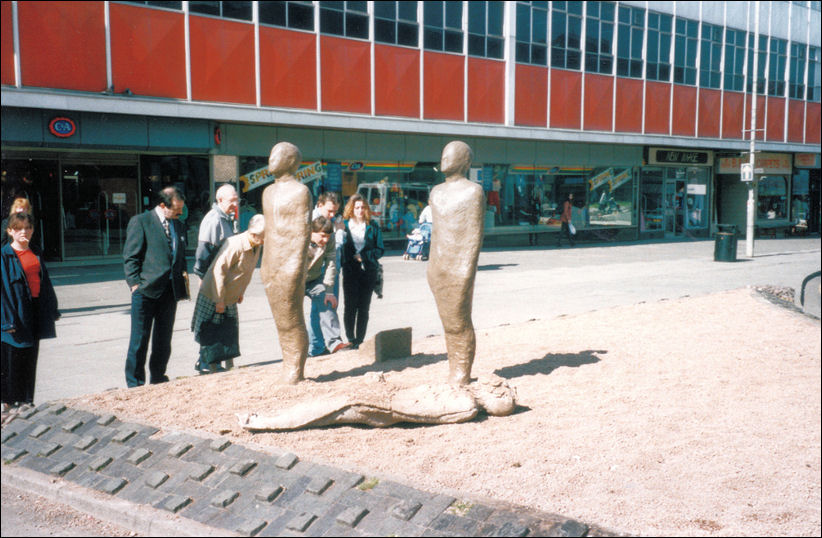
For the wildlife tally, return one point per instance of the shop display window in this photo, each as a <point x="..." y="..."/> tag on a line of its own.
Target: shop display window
<point x="773" y="198"/>
<point x="800" y="197"/>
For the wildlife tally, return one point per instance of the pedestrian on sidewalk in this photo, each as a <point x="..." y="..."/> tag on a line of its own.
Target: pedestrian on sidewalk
<point x="319" y="283"/>
<point x="565" y="221"/>
<point x="328" y="204"/>
<point x="215" y="323"/>
<point x="29" y="311"/>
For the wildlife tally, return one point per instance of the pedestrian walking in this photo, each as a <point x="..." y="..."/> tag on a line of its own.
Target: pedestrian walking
<point x="319" y="283"/>
<point x="19" y="205"/>
<point x="565" y="221"/>
<point x="155" y="268"/>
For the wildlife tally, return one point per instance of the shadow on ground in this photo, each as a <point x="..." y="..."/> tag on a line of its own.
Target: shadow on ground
<point x="551" y="362"/>
<point x="414" y="361"/>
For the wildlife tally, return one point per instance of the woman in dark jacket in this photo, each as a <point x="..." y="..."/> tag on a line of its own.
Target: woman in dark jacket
<point x="360" y="252"/>
<point x="29" y="310"/>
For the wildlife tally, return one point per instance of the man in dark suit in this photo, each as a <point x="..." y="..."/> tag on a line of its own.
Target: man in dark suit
<point x="155" y="265"/>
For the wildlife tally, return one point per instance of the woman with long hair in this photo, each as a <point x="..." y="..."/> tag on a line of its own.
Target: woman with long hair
<point x="361" y="251"/>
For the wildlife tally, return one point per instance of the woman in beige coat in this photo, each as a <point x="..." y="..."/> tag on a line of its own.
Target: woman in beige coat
<point x="216" y="323"/>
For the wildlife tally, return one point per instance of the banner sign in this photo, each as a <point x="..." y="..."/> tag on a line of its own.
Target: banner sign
<point x="261" y="177"/>
<point x="769" y="163"/>
<point x="600" y="179"/>
<point x="618" y="180"/>
<point x="333" y="178"/>
<point x="676" y="156"/>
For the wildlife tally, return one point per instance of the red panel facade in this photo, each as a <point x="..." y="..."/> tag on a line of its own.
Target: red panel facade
<point x="812" y="121"/>
<point x="733" y="114"/>
<point x="796" y="118"/>
<point x="486" y="90"/>
<point x="288" y="68"/>
<point x="345" y="66"/>
<point x="7" y="45"/>
<point x="443" y="86"/>
<point x="396" y="81"/>
<point x="684" y="111"/>
<point x="222" y="61"/>
<point x="775" y="129"/>
<point x="63" y="45"/>
<point x="531" y="99"/>
<point x="760" y="117"/>
<point x="710" y="105"/>
<point x="599" y="102"/>
<point x="657" y="107"/>
<point x="566" y="91"/>
<point x="628" y="114"/>
<point x="148" y="51"/>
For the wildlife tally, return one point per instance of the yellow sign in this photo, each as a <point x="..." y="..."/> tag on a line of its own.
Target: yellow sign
<point x="260" y="177"/>
<point x="623" y="177"/>
<point x="600" y="179"/>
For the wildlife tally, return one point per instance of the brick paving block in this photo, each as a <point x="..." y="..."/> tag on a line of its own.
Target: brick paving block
<point x="252" y="527"/>
<point x="509" y="528"/>
<point x="479" y="512"/>
<point x="301" y="522"/>
<point x="72" y="425"/>
<point x="569" y="527"/>
<point x="286" y="461"/>
<point x="200" y="471"/>
<point x="85" y="442"/>
<point x="57" y="409"/>
<point x="6" y="435"/>
<point x="105" y="420"/>
<point x="268" y="493"/>
<point x="338" y="530"/>
<point x="139" y="456"/>
<point x="173" y="503"/>
<point x="406" y="509"/>
<point x="28" y="413"/>
<point x="318" y="485"/>
<point x="292" y="491"/>
<point x="10" y="455"/>
<point x="39" y="430"/>
<point x="179" y="449"/>
<point x="224" y="498"/>
<point x="99" y="463"/>
<point x="242" y="468"/>
<point x="62" y="468"/>
<point x="351" y="516"/>
<point x="218" y="445"/>
<point x="155" y="479"/>
<point x="47" y="449"/>
<point x="112" y="485"/>
<point x="432" y="508"/>
<point x="124" y="435"/>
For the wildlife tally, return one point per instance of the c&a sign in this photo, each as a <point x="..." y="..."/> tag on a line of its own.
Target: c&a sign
<point x="62" y="127"/>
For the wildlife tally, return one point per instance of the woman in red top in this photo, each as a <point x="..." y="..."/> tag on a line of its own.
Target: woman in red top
<point x="29" y="310"/>
<point x="565" y="220"/>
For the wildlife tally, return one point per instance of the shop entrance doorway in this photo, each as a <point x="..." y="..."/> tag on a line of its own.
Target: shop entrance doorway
<point x="674" y="207"/>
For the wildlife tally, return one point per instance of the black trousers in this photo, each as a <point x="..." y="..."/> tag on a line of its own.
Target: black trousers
<point x="358" y="287"/>
<point x="18" y="368"/>
<point x="564" y="230"/>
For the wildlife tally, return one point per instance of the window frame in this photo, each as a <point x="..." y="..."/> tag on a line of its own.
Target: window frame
<point x="347" y="21"/>
<point x="486" y="38"/>
<point x="796" y="80"/>
<point x="735" y="57"/>
<point x="777" y="62"/>
<point x="571" y="57"/>
<point x="599" y="60"/>
<point x="442" y="29"/>
<point x="290" y="15"/>
<point x="630" y="63"/>
<point x="710" y="56"/>
<point x="528" y="50"/>
<point x="686" y="47"/>
<point x="659" y="70"/>
<point x="399" y="22"/>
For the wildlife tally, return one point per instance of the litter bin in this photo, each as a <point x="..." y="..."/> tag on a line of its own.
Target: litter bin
<point x="725" y="245"/>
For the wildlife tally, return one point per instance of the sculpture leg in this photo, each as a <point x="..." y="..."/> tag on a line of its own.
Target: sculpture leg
<point x="461" y="347"/>
<point x="288" y="316"/>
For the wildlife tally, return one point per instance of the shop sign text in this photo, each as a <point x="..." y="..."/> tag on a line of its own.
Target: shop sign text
<point x="62" y="127"/>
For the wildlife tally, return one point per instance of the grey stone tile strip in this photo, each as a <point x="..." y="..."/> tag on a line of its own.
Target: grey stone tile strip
<point x="196" y="486"/>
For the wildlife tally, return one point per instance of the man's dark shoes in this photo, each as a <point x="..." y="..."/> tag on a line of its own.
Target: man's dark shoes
<point x="163" y="379"/>
<point x="324" y="352"/>
<point x="202" y="368"/>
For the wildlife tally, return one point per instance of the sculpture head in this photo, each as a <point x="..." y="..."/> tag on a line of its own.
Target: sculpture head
<point x="284" y="160"/>
<point x="456" y="159"/>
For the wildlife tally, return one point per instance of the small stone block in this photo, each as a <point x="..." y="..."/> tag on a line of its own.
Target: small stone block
<point x="13" y="455"/>
<point x="105" y="420"/>
<point x="286" y="461"/>
<point x="139" y="456"/>
<point x="392" y="344"/>
<point x="200" y="471"/>
<point x="251" y="528"/>
<point x="224" y="498"/>
<point x="351" y="516"/>
<point x="301" y="522"/>
<point x="48" y="449"/>
<point x="28" y="413"/>
<point x="572" y="528"/>
<point x="85" y="442"/>
<point x="179" y="449"/>
<point x="318" y="485"/>
<point x="62" y="468"/>
<point x="155" y="479"/>
<point x="72" y="425"/>
<point x="124" y="435"/>
<point x="113" y="485"/>
<point x="39" y="430"/>
<point x="175" y="503"/>
<point x="6" y="435"/>
<point x="57" y="409"/>
<point x="242" y="468"/>
<point x="218" y="445"/>
<point x="99" y="463"/>
<point x="512" y="529"/>
<point x="268" y="494"/>
<point x="405" y="510"/>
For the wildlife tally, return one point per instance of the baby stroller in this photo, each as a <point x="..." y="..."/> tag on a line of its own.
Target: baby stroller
<point x="419" y="242"/>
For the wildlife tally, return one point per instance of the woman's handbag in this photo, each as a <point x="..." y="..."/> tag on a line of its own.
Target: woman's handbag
<point x="572" y="229"/>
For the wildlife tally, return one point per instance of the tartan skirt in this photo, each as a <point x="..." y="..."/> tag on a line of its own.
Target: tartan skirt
<point x="217" y="334"/>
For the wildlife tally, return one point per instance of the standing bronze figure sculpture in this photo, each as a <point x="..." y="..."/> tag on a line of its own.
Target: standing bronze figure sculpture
<point x="287" y="208"/>
<point x="458" y="208"/>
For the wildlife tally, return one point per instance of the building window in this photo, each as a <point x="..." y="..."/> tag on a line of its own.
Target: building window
<point x="776" y="67"/>
<point x="167" y="5"/>
<point x="659" y="47"/>
<point x="599" y="37"/>
<point x="760" y="66"/>
<point x="773" y="201"/>
<point x="735" y="60"/>
<point x="796" y="90"/>
<point x="629" y="41"/>
<point x="442" y="26"/>
<point x="813" y="74"/>
<point x="298" y="15"/>
<point x="349" y="19"/>
<point x="396" y="23"/>
<point x="485" y="29"/>
<point x="685" y="46"/>
<point x="228" y="10"/>
<point x="532" y="33"/>
<point x="711" y="57"/>
<point x="566" y="30"/>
